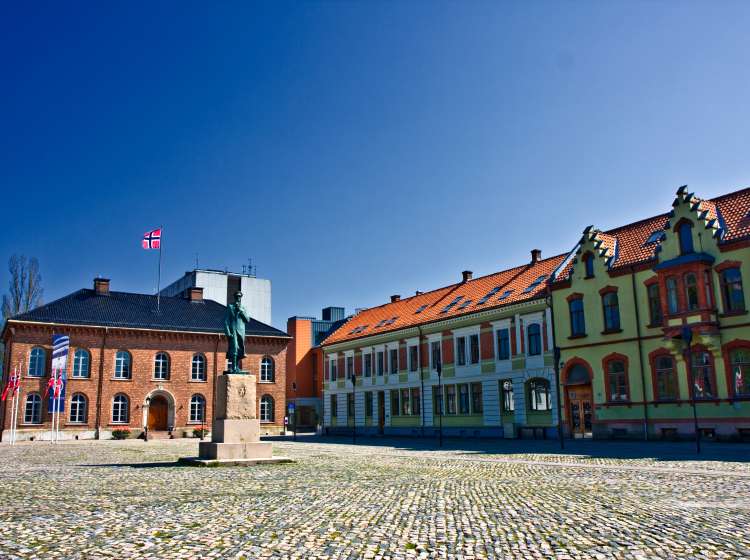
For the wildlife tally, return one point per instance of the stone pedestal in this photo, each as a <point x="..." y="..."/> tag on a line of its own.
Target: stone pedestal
<point x="235" y="436"/>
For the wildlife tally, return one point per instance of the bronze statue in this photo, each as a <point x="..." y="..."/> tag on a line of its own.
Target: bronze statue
<point x="234" y="328"/>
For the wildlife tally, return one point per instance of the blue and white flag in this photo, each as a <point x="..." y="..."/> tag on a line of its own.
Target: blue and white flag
<point x="60" y="347"/>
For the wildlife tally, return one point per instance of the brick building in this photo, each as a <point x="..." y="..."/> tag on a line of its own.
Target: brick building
<point x="130" y="366"/>
<point x="304" y="380"/>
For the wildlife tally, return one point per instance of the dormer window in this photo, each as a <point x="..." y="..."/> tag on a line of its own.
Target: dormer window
<point x="685" y="233"/>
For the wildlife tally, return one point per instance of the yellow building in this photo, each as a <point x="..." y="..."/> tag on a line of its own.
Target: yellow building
<point x="627" y="302"/>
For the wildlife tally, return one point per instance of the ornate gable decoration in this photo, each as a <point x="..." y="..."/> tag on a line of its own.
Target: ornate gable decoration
<point x="600" y="244"/>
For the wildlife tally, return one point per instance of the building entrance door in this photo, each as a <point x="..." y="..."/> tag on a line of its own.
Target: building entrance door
<point x="157" y="413"/>
<point x="580" y="410"/>
<point x="381" y="412"/>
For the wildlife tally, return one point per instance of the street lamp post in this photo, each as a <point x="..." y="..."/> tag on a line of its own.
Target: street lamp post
<point x="145" y="428"/>
<point x="439" y="368"/>
<point x="687" y="337"/>
<point x="353" y="379"/>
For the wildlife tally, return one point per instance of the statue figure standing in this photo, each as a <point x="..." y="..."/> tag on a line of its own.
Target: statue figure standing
<point x="234" y="327"/>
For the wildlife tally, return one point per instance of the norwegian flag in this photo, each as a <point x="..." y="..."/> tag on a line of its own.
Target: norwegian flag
<point x="152" y="239"/>
<point x="13" y="383"/>
<point x="56" y="383"/>
<point x="739" y="384"/>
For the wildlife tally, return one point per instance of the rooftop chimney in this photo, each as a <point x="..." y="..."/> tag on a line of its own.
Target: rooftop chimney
<point x="101" y="286"/>
<point x="395" y="298"/>
<point x="195" y="294"/>
<point x="418" y="293"/>
<point x="536" y="255"/>
<point x="466" y="274"/>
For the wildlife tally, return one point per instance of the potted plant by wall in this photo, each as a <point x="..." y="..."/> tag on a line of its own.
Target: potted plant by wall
<point x="122" y="433"/>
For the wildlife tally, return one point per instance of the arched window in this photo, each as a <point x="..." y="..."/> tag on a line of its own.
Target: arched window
<point x="120" y="409"/>
<point x="685" y="233"/>
<point x="122" y="365"/>
<point x="509" y="404"/>
<point x="539" y="397"/>
<point x="161" y="366"/>
<point x="704" y="381"/>
<point x="78" y="408"/>
<point x="33" y="409"/>
<point x="267" y="369"/>
<point x="666" y="378"/>
<point x="534" y="339"/>
<point x="577" y="320"/>
<point x="617" y="380"/>
<point x="673" y="302"/>
<point x="266" y="408"/>
<point x="691" y="291"/>
<point x="197" y="408"/>
<point x="740" y="360"/>
<point x="588" y="261"/>
<point x="81" y="363"/>
<point x="198" y="370"/>
<point x="37" y="362"/>
<point x="611" y="307"/>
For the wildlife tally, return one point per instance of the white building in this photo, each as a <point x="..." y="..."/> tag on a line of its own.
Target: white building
<point x="220" y="286"/>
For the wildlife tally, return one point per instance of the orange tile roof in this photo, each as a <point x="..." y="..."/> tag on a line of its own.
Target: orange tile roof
<point x="466" y="295"/>
<point x="731" y="211"/>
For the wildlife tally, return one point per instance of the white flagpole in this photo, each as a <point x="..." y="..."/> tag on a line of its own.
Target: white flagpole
<point x="13" y="413"/>
<point x="158" y="277"/>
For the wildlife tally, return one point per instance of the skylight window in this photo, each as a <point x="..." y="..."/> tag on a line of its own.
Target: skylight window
<point x="465" y="304"/>
<point x="451" y="304"/>
<point x="655" y="237"/>
<point x="381" y="323"/>
<point x="506" y="293"/>
<point x="534" y="284"/>
<point x="421" y="308"/>
<point x="359" y="329"/>
<point x="489" y="295"/>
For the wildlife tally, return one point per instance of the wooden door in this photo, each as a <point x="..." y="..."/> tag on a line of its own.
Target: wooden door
<point x="381" y="412"/>
<point x="157" y="413"/>
<point x="580" y="409"/>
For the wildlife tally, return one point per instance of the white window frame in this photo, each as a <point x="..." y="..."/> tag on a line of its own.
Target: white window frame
<point x="430" y="340"/>
<point x="77" y="363"/>
<point x="264" y="370"/>
<point x="200" y="375"/>
<point x="267" y="417"/>
<point x="120" y="365"/>
<point x="120" y="408"/>
<point x="197" y="408"/>
<point x="39" y="370"/>
<point x="80" y="409"/>
<point x="390" y="350"/>
<point x="35" y="418"/>
<point x="161" y="366"/>
<point x="498" y="326"/>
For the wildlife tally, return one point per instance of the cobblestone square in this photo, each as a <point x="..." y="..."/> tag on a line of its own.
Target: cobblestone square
<point x="378" y="499"/>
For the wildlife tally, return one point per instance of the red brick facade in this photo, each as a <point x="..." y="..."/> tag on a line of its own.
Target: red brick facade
<point x="100" y="387"/>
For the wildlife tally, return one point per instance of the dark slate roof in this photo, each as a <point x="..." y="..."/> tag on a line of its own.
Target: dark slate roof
<point x="126" y="310"/>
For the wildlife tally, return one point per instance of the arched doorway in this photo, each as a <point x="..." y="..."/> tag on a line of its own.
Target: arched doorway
<point x="158" y="413"/>
<point x="579" y="400"/>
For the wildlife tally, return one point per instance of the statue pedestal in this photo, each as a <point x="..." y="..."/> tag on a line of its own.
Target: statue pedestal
<point x="235" y="437"/>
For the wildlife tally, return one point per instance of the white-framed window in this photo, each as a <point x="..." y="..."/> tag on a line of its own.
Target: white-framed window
<point x="81" y="363"/>
<point x="381" y="362"/>
<point x="349" y="367"/>
<point x="78" y="408"/>
<point x="460" y="350"/>
<point x="332" y="361"/>
<point x="122" y="365"/>
<point x="509" y="404"/>
<point x="198" y="368"/>
<point x="33" y="409"/>
<point x="502" y="337"/>
<point x="161" y="366"/>
<point x="413" y="358"/>
<point x="367" y="363"/>
<point x="393" y="360"/>
<point x="539" y="394"/>
<point x="37" y="362"/>
<point x="534" y="339"/>
<point x="267" y="370"/>
<point x="435" y="354"/>
<point x="474" y="348"/>
<point x="266" y="408"/>
<point x="197" y="408"/>
<point x="120" y="409"/>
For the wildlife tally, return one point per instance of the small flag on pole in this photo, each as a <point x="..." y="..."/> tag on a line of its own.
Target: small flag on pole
<point x="152" y="239"/>
<point x="12" y="386"/>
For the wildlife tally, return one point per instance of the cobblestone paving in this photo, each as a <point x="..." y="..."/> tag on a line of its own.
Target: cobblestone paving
<point x="338" y="501"/>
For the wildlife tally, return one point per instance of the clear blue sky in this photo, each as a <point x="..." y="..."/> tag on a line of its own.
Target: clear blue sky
<point x="355" y="150"/>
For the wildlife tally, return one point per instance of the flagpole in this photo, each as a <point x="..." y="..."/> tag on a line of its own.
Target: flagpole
<point x="158" y="277"/>
<point x="14" y="411"/>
